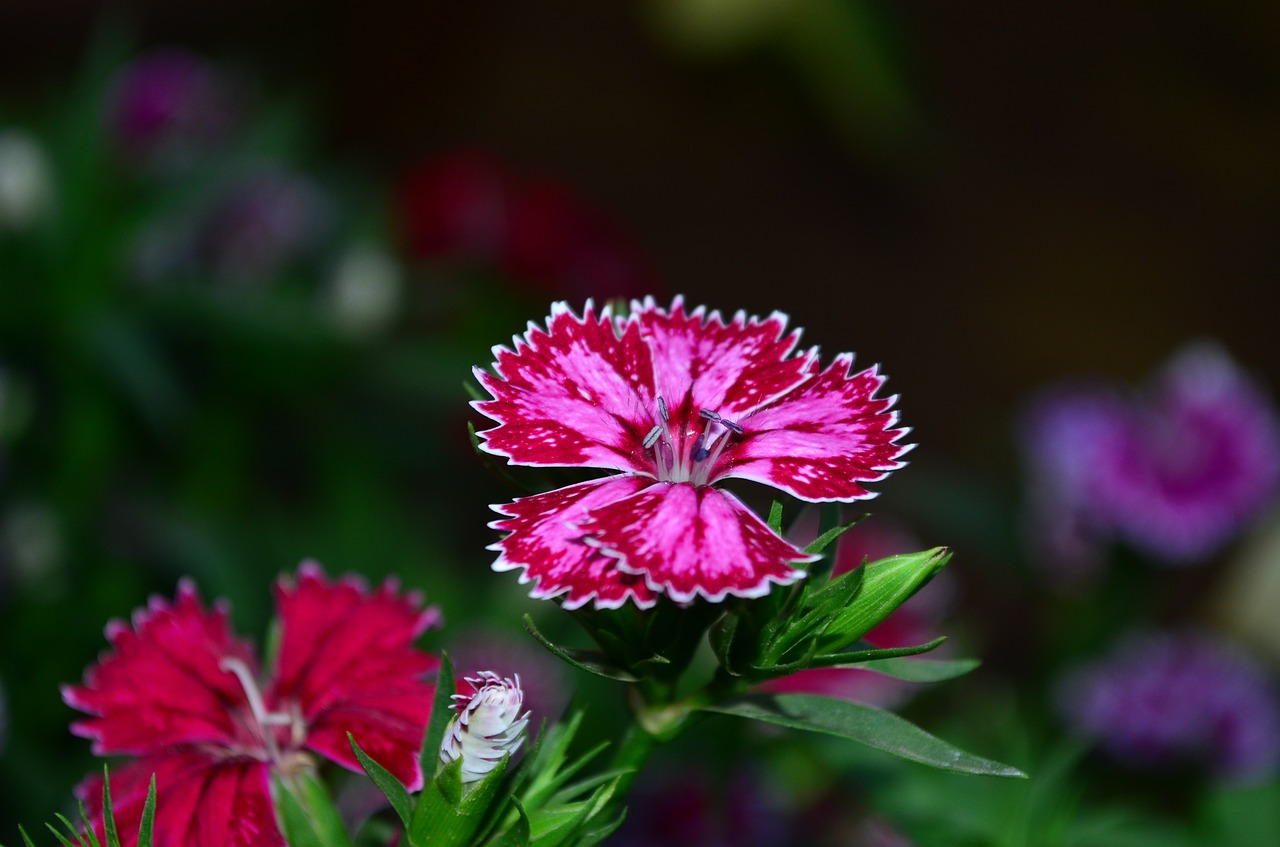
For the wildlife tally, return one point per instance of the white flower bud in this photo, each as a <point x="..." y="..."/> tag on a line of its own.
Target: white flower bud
<point x="488" y="725"/>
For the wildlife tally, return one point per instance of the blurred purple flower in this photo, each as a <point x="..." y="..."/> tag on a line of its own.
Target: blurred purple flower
<point x="169" y="107"/>
<point x="1176" y="474"/>
<point x="1168" y="700"/>
<point x="260" y="225"/>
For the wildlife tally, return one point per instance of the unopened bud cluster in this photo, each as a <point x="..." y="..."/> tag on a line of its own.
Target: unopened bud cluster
<point x="489" y="725"/>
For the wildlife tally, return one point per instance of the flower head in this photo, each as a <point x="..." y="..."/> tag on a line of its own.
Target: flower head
<point x="1177" y="699"/>
<point x="170" y="106"/>
<point x="489" y="724"/>
<point x="674" y="402"/>
<point x="1175" y="473"/>
<point x="181" y="694"/>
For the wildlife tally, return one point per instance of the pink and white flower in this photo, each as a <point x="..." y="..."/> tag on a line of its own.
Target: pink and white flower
<point x="182" y="694"/>
<point x="673" y="402"/>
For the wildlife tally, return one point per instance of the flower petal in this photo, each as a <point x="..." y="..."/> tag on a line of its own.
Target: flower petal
<point x="575" y="395"/>
<point x="824" y="440"/>
<point x="544" y="540"/>
<point x="200" y="801"/>
<point x="700" y="362"/>
<point x="163" y="684"/>
<point x="347" y="660"/>
<point x="691" y="541"/>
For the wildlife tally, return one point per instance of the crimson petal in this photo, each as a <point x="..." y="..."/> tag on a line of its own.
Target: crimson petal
<point x="701" y="362"/>
<point x="577" y="394"/>
<point x="545" y="540"/>
<point x="824" y="440"/>
<point x="690" y="541"/>
<point x="163" y="684"/>
<point x="347" y="660"/>
<point x="201" y="801"/>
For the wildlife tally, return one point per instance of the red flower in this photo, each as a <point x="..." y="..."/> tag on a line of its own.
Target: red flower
<point x="181" y="694"/>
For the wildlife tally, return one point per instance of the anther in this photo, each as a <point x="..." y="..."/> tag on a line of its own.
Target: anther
<point x="653" y="436"/>
<point x="732" y="425"/>
<point x="662" y="409"/>
<point x="711" y="416"/>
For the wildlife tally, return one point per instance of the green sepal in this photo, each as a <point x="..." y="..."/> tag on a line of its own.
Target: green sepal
<point x="108" y="813"/>
<point x="864" y="724"/>
<point x="450" y="813"/>
<point x="591" y="661"/>
<point x="775" y="517"/>
<point x="517" y="832"/>
<point x="441" y="713"/>
<point x="307" y="813"/>
<point x="395" y="792"/>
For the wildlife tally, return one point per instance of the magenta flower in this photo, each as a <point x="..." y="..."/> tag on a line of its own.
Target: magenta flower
<point x="1166" y="700"/>
<point x="1176" y="474"/>
<point x="673" y="402"/>
<point x="182" y="695"/>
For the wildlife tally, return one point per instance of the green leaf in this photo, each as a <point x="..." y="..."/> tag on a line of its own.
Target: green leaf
<point x="324" y="814"/>
<point x="146" y="827"/>
<point x="822" y="542"/>
<point x="294" y="819"/>
<point x="591" y="661"/>
<point x="864" y="724"/>
<point x="919" y="670"/>
<point x="108" y="814"/>
<point x="775" y="517"/>
<point x="857" y="658"/>
<point x="397" y="795"/>
<point x="26" y="839"/>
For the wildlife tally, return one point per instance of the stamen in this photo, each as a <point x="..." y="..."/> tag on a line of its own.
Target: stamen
<point x="257" y="707"/>
<point x="711" y="416"/>
<point x="662" y="409"/>
<point x="733" y="425"/>
<point x="653" y="436"/>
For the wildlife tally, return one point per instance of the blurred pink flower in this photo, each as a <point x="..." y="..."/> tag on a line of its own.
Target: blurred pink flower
<point x="468" y="207"/>
<point x="181" y="694"/>
<point x="674" y="402"/>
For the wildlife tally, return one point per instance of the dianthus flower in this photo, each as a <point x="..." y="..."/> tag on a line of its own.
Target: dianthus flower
<point x="673" y="402"/>
<point x="181" y="694"/>
<point x="1176" y="700"/>
<point x="1175" y="473"/>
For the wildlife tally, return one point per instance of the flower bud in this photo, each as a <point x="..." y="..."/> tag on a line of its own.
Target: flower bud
<point x="488" y="726"/>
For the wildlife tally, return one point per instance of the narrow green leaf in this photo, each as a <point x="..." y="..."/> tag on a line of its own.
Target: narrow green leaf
<point x="517" y="834"/>
<point x="441" y="713"/>
<point x="26" y="839"/>
<point x="108" y="814"/>
<point x="864" y="724"/>
<point x="857" y="658"/>
<point x="146" y="827"/>
<point x="62" y="839"/>
<point x="590" y="661"/>
<point x="822" y="542"/>
<point x="596" y="836"/>
<point x="397" y="795"/>
<point x="775" y="517"/>
<point x="919" y="670"/>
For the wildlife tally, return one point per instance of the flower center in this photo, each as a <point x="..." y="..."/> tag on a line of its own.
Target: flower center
<point x="266" y="722"/>
<point x="689" y="455"/>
